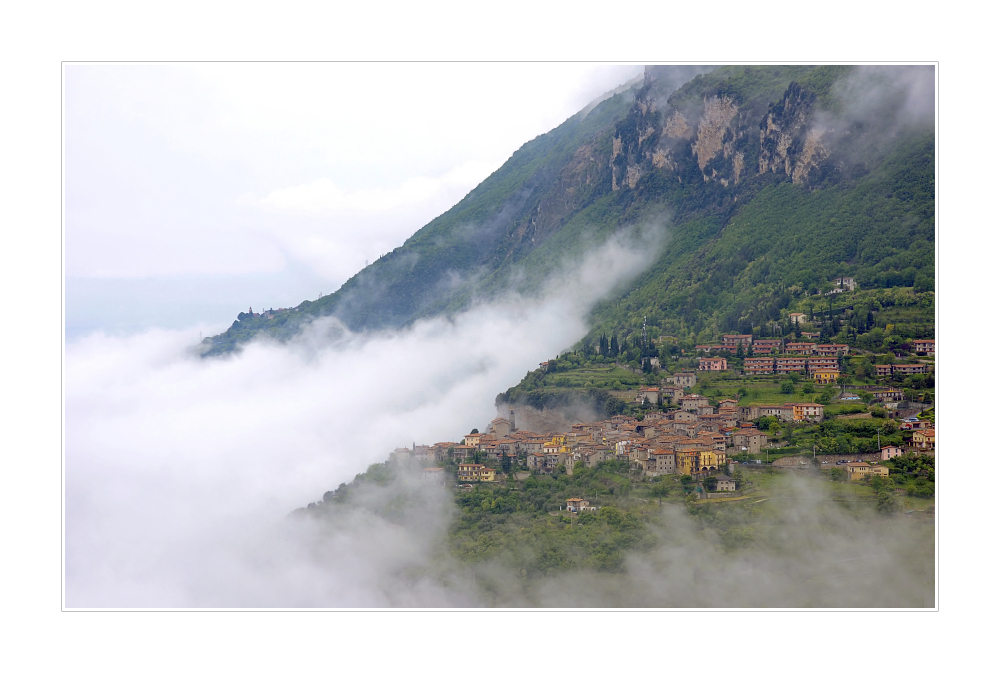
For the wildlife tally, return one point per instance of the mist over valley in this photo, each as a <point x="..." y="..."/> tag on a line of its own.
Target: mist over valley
<point x="707" y="298"/>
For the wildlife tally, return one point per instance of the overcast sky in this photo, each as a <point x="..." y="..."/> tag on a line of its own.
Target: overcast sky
<point x="195" y="191"/>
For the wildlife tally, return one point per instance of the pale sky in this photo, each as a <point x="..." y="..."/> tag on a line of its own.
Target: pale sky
<point x="195" y="191"/>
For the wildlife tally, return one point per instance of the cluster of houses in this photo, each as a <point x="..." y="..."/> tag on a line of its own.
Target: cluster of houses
<point x="696" y="439"/>
<point x="732" y="342"/>
<point x="820" y="361"/>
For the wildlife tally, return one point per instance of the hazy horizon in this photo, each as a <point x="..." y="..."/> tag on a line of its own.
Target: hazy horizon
<point x="196" y="191"/>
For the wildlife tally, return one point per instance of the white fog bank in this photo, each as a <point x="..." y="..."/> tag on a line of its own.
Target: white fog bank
<point x="180" y="471"/>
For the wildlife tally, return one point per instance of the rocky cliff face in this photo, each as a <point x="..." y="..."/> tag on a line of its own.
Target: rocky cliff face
<point x="719" y="139"/>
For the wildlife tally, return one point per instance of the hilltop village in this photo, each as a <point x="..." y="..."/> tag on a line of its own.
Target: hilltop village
<point x="734" y="445"/>
<point x="848" y="396"/>
<point x="685" y="433"/>
<point x="697" y="439"/>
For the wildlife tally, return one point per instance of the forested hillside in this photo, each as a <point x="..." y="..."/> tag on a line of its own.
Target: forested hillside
<point x="774" y="179"/>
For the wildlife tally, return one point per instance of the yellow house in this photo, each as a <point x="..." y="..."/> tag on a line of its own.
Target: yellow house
<point x="476" y="472"/>
<point x="858" y="471"/>
<point x="711" y="460"/>
<point x="687" y="461"/>
<point x="556" y="445"/>
<point x="923" y="439"/>
<point x="826" y="375"/>
<point x="879" y="471"/>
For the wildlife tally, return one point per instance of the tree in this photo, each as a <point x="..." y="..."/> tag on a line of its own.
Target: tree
<point x="686" y="482"/>
<point x="710" y="483"/>
<point x="659" y="490"/>
<point x="475" y="431"/>
<point x="739" y="351"/>
<point x="787" y="388"/>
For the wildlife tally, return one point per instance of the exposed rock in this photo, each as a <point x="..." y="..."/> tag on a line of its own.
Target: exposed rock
<point x="737" y="167"/>
<point x="813" y="153"/>
<point x="677" y="127"/>
<point x="712" y="128"/>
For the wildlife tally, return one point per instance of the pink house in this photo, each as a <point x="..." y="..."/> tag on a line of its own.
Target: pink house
<point x="891" y="452"/>
<point x="712" y="364"/>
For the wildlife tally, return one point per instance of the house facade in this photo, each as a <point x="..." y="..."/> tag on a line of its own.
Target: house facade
<point x="825" y="375"/>
<point x="922" y="439"/>
<point x="664" y="461"/>
<point x="758" y="366"/>
<point x="858" y="471"/>
<point x="712" y="364"/>
<point x="889" y="452"/>
<point x="788" y="365"/>
<point x="766" y="346"/>
<point x="475" y="472"/>
<point x="683" y="379"/>
<point x="751" y="439"/>
<point x="731" y="342"/>
<point x="807" y="412"/>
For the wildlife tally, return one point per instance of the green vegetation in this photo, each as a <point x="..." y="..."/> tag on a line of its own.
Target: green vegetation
<point x="745" y="249"/>
<point x="782" y="248"/>
<point x="913" y="473"/>
<point x="522" y="524"/>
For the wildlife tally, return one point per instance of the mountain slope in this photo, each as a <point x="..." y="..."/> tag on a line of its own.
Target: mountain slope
<point x="776" y="179"/>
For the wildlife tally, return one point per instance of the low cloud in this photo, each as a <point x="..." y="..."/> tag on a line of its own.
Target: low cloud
<point x="873" y="107"/>
<point x="180" y="471"/>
